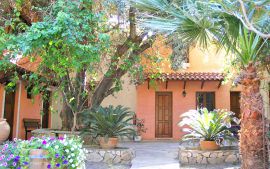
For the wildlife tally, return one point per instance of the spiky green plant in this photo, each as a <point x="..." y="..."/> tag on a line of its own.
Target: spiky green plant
<point x="207" y="125"/>
<point x="111" y="122"/>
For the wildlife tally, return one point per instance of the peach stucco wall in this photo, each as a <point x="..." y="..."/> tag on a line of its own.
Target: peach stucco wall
<point x="26" y="108"/>
<point x="200" y="59"/>
<point x="146" y="102"/>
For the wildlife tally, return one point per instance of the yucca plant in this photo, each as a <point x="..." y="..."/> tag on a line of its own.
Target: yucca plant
<point x="208" y="125"/>
<point x="110" y="122"/>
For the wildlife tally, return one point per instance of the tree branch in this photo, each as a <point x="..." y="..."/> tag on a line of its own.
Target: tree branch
<point x="248" y="24"/>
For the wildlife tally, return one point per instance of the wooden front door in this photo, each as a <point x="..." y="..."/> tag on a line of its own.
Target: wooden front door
<point x="163" y="115"/>
<point x="235" y="103"/>
<point x="9" y="110"/>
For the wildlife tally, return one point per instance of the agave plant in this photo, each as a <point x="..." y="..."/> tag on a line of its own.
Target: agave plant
<point x="208" y="125"/>
<point x="110" y="122"/>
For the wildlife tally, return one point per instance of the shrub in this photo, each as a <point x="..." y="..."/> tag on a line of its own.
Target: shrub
<point x="110" y="122"/>
<point x="208" y="125"/>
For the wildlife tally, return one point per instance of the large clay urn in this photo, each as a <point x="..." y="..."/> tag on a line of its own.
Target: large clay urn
<point x="5" y="130"/>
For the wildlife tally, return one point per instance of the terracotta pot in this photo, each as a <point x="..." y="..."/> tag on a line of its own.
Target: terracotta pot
<point x="108" y="143"/>
<point x="5" y="130"/>
<point x="138" y="138"/>
<point x="38" y="159"/>
<point x="209" y="145"/>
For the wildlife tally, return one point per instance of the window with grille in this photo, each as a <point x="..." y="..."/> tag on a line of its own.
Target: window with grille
<point x="205" y="100"/>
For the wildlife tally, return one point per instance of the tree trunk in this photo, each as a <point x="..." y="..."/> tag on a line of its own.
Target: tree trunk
<point x="66" y="117"/>
<point x="253" y="141"/>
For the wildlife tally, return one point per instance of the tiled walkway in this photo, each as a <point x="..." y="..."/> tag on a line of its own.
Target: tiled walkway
<point x="161" y="155"/>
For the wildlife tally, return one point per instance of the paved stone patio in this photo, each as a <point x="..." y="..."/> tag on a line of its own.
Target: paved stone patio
<point x="162" y="155"/>
<point x="159" y="155"/>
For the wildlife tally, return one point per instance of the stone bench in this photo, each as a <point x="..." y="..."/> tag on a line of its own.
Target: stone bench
<point x="118" y="158"/>
<point x="226" y="155"/>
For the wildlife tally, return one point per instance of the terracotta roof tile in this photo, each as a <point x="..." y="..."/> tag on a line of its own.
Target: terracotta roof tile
<point x="191" y="76"/>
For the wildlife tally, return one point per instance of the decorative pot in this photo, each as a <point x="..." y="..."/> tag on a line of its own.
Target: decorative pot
<point x="209" y="145"/>
<point x="38" y="159"/>
<point x="5" y="130"/>
<point x="108" y="143"/>
<point x="138" y="138"/>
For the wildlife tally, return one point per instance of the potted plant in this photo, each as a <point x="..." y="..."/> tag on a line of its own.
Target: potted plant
<point x="140" y="128"/>
<point x="211" y="127"/>
<point x="108" y="124"/>
<point x="46" y="152"/>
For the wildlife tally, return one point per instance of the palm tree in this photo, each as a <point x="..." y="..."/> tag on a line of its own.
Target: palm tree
<point x="202" y="23"/>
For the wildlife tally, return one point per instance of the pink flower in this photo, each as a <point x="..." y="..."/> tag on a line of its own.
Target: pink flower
<point x="44" y="142"/>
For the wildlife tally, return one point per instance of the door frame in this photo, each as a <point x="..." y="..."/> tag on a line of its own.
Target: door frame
<point x="238" y="92"/>
<point x="156" y="112"/>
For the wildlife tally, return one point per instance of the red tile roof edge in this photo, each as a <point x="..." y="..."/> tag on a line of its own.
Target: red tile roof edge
<point x="190" y="76"/>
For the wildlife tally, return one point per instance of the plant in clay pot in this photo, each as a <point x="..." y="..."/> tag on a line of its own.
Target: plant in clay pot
<point x="108" y="124"/>
<point x="140" y="128"/>
<point x="41" y="153"/>
<point x="211" y="127"/>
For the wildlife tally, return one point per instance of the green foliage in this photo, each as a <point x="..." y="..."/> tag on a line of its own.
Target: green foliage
<point x="209" y="126"/>
<point x="205" y="22"/>
<point x="110" y="122"/>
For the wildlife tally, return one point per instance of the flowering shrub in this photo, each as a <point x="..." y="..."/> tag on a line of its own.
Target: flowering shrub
<point x="62" y="152"/>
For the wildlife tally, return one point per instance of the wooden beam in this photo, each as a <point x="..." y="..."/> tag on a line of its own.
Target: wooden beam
<point x="166" y="84"/>
<point x="148" y="84"/>
<point x="202" y="84"/>
<point x="185" y="82"/>
<point x="219" y="84"/>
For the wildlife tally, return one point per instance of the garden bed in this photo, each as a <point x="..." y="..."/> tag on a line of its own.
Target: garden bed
<point x="120" y="158"/>
<point x="226" y="155"/>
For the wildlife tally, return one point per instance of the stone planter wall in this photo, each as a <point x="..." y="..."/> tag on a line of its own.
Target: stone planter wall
<point x="223" y="156"/>
<point x="119" y="158"/>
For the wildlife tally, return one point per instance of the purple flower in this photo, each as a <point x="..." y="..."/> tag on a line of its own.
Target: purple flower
<point x="3" y="156"/>
<point x="6" y="146"/>
<point x="25" y="163"/>
<point x="11" y="156"/>
<point x="57" y="165"/>
<point x="56" y="155"/>
<point x="19" y="168"/>
<point x="52" y="138"/>
<point x="63" y="157"/>
<point x="44" y="142"/>
<point x="49" y="166"/>
<point x="5" y="164"/>
<point x="65" y="162"/>
<point x="17" y="158"/>
<point x="14" y="164"/>
<point x="61" y="138"/>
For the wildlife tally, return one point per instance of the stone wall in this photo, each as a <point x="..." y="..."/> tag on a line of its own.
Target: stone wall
<point x="120" y="158"/>
<point x="223" y="156"/>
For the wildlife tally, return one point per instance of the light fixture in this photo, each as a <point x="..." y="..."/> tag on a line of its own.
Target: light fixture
<point x="184" y="93"/>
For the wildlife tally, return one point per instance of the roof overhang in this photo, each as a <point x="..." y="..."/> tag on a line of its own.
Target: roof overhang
<point x="189" y="76"/>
